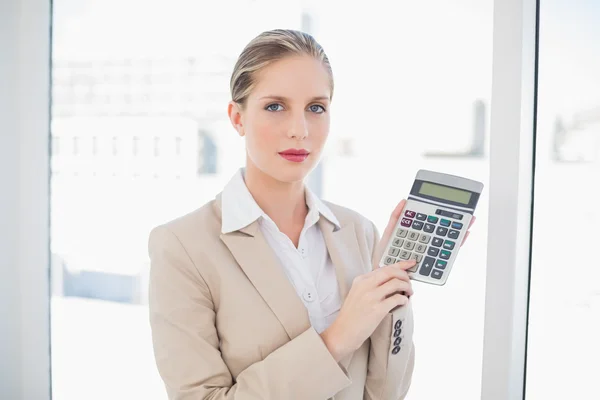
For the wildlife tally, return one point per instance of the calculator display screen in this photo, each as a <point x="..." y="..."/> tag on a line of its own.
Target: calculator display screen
<point x="445" y="193"/>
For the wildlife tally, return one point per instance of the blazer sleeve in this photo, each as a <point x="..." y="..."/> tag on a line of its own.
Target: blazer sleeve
<point x="186" y="343"/>
<point x="391" y="360"/>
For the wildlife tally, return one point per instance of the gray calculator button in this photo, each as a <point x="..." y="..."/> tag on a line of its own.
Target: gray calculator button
<point x="401" y="233"/>
<point x="421" y="217"/>
<point x="453" y="234"/>
<point x="389" y="260"/>
<point x="441" y="231"/>
<point x="427" y="266"/>
<point x="421" y="248"/>
<point x="405" y="255"/>
<point x="424" y="239"/>
<point x="429" y="228"/>
<point x="433" y="251"/>
<point x="409" y="245"/>
<point x="416" y="257"/>
<point x="437" y="242"/>
<point x="437" y="274"/>
<point x="398" y="242"/>
<point x="413" y="235"/>
<point x="417" y="225"/>
<point x="394" y="251"/>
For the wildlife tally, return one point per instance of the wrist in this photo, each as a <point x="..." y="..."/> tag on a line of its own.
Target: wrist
<point x="334" y="344"/>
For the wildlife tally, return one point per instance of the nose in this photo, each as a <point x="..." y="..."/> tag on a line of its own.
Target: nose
<point x="298" y="128"/>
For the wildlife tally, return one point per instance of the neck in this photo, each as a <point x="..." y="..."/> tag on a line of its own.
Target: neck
<point x="283" y="202"/>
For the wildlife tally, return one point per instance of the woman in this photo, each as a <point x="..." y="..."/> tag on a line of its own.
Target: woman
<point x="268" y="292"/>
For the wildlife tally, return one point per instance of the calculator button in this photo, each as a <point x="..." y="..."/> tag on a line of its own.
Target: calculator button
<point x="453" y="234"/>
<point x="421" y="217"/>
<point x="416" y="257"/>
<point x="437" y="242"/>
<point x="457" y="225"/>
<point x="441" y="264"/>
<point x="389" y="260"/>
<point x="432" y="219"/>
<point x="394" y="252"/>
<point x="445" y="222"/>
<point x="406" y="222"/>
<point x="457" y="216"/>
<point x="437" y="274"/>
<point x="424" y="238"/>
<point x="409" y="214"/>
<point x="398" y="242"/>
<point x="429" y="228"/>
<point x="441" y="231"/>
<point x="433" y="252"/>
<point x="418" y="225"/>
<point x="445" y="254"/>
<point x="449" y="245"/>
<point x="427" y="266"/>
<point x="409" y="245"/>
<point x="401" y="233"/>
<point x="405" y="255"/>
<point x="421" y="248"/>
<point x="413" y="235"/>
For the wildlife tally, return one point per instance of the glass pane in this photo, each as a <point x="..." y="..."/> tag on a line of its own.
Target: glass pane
<point x="564" y="316"/>
<point x="141" y="136"/>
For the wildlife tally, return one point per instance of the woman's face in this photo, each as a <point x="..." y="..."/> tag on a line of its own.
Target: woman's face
<point x="286" y="118"/>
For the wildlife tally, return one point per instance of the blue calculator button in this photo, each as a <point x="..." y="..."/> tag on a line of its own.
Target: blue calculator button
<point x="445" y="222"/>
<point x="441" y="264"/>
<point x="444" y="254"/>
<point x="457" y="225"/>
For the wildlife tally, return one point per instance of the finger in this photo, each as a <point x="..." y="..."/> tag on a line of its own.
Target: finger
<point x="384" y="274"/>
<point x="473" y="218"/>
<point x="465" y="238"/>
<point x="404" y="265"/>
<point x="394" y="301"/>
<point x="392" y="287"/>
<point x="389" y="230"/>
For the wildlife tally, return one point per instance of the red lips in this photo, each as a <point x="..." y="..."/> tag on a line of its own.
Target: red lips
<point x="295" y="155"/>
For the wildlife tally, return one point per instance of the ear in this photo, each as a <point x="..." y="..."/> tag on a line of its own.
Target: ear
<point x="235" y="116"/>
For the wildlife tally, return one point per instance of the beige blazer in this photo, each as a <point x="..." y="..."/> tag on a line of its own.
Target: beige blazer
<point x="227" y="323"/>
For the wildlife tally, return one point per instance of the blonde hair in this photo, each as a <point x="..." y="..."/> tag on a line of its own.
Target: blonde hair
<point x="265" y="49"/>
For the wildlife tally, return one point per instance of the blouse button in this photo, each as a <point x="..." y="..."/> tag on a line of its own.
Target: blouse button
<point x="308" y="296"/>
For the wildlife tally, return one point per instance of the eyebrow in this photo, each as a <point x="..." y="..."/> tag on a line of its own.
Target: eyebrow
<point x="281" y="98"/>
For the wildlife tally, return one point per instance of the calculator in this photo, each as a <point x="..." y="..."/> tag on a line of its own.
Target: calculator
<point x="433" y="224"/>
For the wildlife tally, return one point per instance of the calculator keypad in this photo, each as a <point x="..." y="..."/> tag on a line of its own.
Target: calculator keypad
<point x="428" y="239"/>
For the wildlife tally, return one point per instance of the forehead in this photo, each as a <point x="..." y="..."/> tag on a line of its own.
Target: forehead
<point x="297" y="77"/>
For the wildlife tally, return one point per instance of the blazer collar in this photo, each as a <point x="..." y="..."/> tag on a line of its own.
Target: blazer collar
<point x="258" y="261"/>
<point x="240" y="208"/>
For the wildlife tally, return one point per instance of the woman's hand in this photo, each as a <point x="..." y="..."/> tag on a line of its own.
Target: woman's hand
<point x="370" y="298"/>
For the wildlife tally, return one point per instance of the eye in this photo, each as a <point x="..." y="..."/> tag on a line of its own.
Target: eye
<point x="317" y="108"/>
<point x="273" y="107"/>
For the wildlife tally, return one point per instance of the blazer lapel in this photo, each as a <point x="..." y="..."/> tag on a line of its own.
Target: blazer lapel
<point x="345" y="254"/>
<point x="257" y="259"/>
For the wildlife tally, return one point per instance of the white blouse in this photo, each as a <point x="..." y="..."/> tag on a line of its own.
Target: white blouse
<point x="308" y="267"/>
